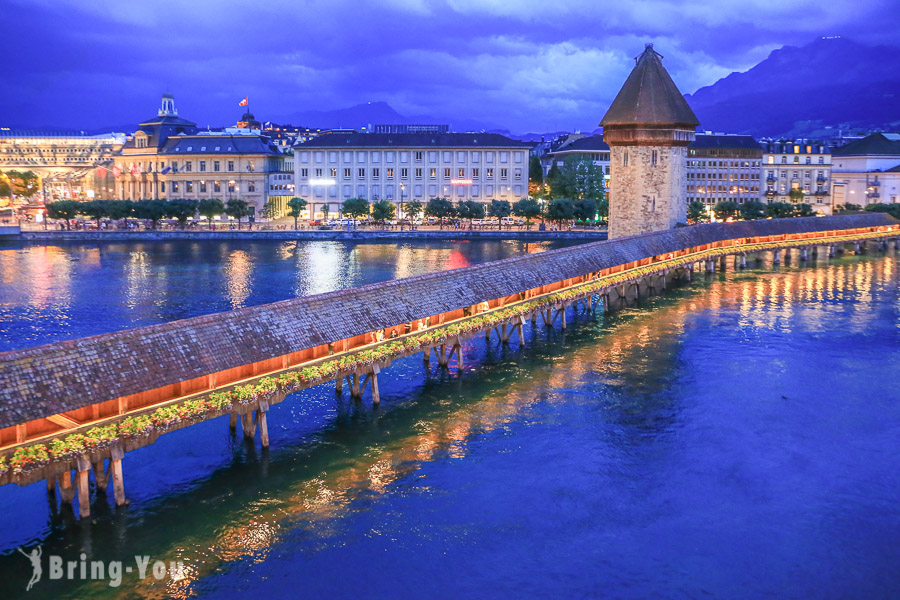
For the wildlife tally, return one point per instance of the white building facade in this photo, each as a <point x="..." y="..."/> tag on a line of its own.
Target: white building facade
<point x="403" y="167"/>
<point x="797" y="165"/>
<point x="867" y="171"/>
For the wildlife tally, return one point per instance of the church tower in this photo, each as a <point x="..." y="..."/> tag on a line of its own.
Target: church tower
<point x="648" y="128"/>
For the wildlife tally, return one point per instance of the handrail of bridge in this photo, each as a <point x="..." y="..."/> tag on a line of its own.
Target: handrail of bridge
<point x="28" y="461"/>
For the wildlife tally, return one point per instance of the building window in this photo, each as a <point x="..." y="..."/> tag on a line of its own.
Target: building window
<point x="217" y="186"/>
<point x="404" y="173"/>
<point x="231" y="165"/>
<point x="202" y="187"/>
<point x="251" y="186"/>
<point x="187" y="166"/>
<point x="216" y="165"/>
<point x="625" y="159"/>
<point x="653" y="154"/>
<point x="174" y="186"/>
<point x="432" y="172"/>
<point x="361" y="173"/>
<point x="418" y="156"/>
<point x="162" y="187"/>
<point x="251" y="165"/>
<point x="304" y="172"/>
<point x="231" y="185"/>
<point x="332" y="172"/>
<point x="376" y="173"/>
<point x="390" y="172"/>
<point x="347" y="173"/>
<point x="202" y="166"/>
<point x="504" y="173"/>
<point x="518" y="173"/>
<point x="475" y="173"/>
<point x="461" y="173"/>
<point x="189" y="187"/>
<point x="447" y="173"/>
<point x="490" y="173"/>
<point x="319" y="173"/>
<point x="419" y="172"/>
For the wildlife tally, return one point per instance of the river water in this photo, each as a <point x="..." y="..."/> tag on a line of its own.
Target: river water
<point x="50" y="293"/>
<point x="736" y="438"/>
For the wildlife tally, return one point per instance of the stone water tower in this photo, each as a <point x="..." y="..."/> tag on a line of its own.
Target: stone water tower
<point x="648" y="128"/>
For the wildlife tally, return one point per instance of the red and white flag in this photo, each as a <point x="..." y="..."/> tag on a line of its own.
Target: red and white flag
<point x="101" y="172"/>
<point x="133" y="169"/>
<point x="245" y="101"/>
<point x="116" y="171"/>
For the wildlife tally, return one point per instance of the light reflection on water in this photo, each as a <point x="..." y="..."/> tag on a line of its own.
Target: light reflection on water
<point x="53" y="293"/>
<point x="724" y="441"/>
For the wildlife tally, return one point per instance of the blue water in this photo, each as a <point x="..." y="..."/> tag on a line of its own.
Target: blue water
<point x="737" y="438"/>
<point x="50" y="293"/>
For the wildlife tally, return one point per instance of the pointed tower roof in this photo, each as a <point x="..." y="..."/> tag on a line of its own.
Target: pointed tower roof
<point x="649" y="96"/>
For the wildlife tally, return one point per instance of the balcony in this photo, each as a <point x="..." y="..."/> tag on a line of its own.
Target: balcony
<point x="821" y="192"/>
<point x="771" y="178"/>
<point x="875" y="183"/>
<point x="821" y="179"/>
<point x="873" y="195"/>
<point x="770" y="192"/>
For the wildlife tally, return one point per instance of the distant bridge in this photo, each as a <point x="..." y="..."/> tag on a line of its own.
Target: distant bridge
<point x="72" y="406"/>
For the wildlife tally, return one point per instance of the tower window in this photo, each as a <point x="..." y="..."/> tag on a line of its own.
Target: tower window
<point x="625" y="159"/>
<point x="653" y="158"/>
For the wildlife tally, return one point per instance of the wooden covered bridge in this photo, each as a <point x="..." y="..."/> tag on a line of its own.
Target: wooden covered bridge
<point x="78" y="406"/>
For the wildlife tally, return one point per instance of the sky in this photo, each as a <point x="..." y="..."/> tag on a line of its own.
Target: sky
<point x="522" y="65"/>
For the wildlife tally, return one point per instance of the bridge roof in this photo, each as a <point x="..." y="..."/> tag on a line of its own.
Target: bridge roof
<point x="46" y="380"/>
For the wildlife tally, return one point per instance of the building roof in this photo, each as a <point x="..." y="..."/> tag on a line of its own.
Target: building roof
<point x="219" y="144"/>
<point x="47" y="380"/>
<point x="877" y="144"/>
<point x="591" y="143"/>
<point x="746" y="142"/>
<point x="413" y="140"/>
<point x="649" y="96"/>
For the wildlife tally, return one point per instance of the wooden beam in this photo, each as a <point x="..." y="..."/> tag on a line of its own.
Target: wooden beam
<point x="64" y="421"/>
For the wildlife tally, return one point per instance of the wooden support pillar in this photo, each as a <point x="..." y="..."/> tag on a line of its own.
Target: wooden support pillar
<point x="376" y="396"/>
<point x="66" y="491"/>
<point x="710" y="266"/>
<point x="248" y="424"/>
<point x="264" y="423"/>
<point x="776" y="258"/>
<point x="722" y="263"/>
<point x="84" y="488"/>
<point x="232" y="421"/>
<point x="562" y="316"/>
<point x="804" y="254"/>
<point x="548" y="320"/>
<point x="504" y="338"/>
<point x="101" y="476"/>
<point x="743" y="261"/>
<point x="51" y="488"/>
<point x="115" y="467"/>
<point x="831" y="251"/>
<point x="354" y="387"/>
<point x="519" y="329"/>
<point x="459" y="357"/>
<point x="534" y="318"/>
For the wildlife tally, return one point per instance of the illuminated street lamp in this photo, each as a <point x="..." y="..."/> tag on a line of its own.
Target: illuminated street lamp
<point x="400" y="216"/>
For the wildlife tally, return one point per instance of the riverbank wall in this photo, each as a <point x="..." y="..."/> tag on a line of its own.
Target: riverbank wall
<point x="326" y="235"/>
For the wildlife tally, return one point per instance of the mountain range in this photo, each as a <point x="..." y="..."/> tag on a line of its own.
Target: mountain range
<point x="831" y="83"/>
<point x="370" y="113"/>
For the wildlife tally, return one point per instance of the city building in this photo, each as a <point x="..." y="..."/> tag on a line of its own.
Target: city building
<point x="648" y="128"/>
<point x="70" y="164"/>
<point x="381" y="128"/>
<point x="801" y="167"/>
<point x="723" y="168"/>
<point x="591" y="147"/>
<point x="168" y="157"/>
<point x="867" y="171"/>
<point x="409" y="166"/>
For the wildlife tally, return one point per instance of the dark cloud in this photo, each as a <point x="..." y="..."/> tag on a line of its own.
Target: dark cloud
<point x="524" y="64"/>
